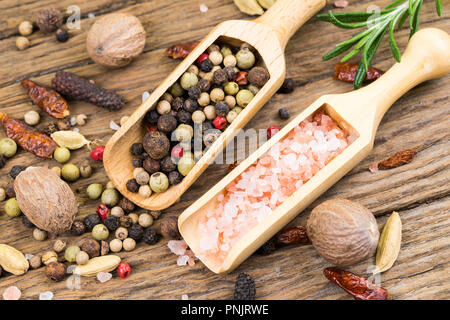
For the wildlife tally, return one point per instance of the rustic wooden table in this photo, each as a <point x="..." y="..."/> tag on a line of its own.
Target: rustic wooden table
<point x="419" y="191"/>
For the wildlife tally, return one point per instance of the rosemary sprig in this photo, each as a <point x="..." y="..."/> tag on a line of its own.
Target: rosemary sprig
<point x="367" y="42"/>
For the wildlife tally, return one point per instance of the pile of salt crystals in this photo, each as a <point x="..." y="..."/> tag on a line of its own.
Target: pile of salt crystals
<point x="253" y="195"/>
<point x="180" y="248"/>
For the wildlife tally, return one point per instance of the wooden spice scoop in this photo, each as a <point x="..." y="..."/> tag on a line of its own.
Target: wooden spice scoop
<point x="268" y="35"/>
<point x="358" y="113"/>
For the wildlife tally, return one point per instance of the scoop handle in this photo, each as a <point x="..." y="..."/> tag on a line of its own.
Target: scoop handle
<point x="427" y="57"/>
<point x="285" y="17"/>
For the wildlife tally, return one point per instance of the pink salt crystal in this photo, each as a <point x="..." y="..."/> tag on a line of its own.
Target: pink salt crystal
<point x="191" y="262"/>
<point x="182" y="260"/>
<point x="104" y="276"/>
<point x="374" y="167"/>
<point x="184" y="297"/>
<point x="177" y="247"/>
<point x="252" y="196"/>
<point x="12" y="293"/>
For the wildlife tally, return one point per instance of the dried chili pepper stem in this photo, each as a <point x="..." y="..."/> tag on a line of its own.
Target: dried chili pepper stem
<point x="28" y="137"/>
<point x="358" y="287"/>
<point x="48" y="100"/>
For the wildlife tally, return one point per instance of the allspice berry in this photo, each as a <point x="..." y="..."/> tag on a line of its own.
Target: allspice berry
<point x="127" y="205"/>
<point x="91" y="247"/>
<point x="258" y="76"/>
<point x="49" y="20"/>
<point x="78" y="228"/>
<point x="156" y="144"/>
<point x="55" y="271"/>
<point x="169" y="228"/>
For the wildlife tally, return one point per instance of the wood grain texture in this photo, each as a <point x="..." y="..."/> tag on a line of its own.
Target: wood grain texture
<point x="419" y="191"/>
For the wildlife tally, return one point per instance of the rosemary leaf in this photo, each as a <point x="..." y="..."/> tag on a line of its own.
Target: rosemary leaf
<point x="416" y="18"/>
<point x="336" y="51"/>
<point x="439" y="7"/>
<point x="392" y="44"/>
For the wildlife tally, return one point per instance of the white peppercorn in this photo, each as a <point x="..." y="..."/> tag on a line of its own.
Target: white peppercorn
<point x="210" y="112"/>
<point x="81" y="119"/>
<point x="110" y="185"/>
<point x="22" y="43"/>
<point x="198" y="116"/>
<point x="2" y="194"/>
<point x="25" y="28"/>
<point x="145" y="191"/>
<point x="82" y="258"/>
<point x="231" y="101"/>
<point x="117" y="212"/>
<point x="204" y="99"/>
<point x="116" y="245"/>
<point x="121" y="233"/>
<point x="163" y="107"/>
<point x="129" y="244"/>
<point x="145" y="220"/>
<point x="193" y="69"/>
<point x="32" y="118"/>
<point x="216" y="58"/>
<point x="39" y="235"/>
<point x="231" y="116"/>
<point x="229" y="61"/>
<point x="134" y="218"/>
<point x="216" y="95"/>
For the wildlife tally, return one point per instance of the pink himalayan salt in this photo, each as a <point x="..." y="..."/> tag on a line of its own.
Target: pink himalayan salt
<point x="104" y="276"/>
<point x="374" y="167"/>
<point x="252" y="196"/>
<point x="177" y="247"/>
<point x="182" y="260"/>
<point x="12" y="293"/>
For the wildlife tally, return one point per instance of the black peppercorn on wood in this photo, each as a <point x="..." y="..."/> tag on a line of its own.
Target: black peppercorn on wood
<point x="244" y="288"/>
<point x="76" y="88"/>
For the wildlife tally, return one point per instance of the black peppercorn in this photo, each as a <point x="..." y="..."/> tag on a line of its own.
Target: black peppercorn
<point x="167" y="164"/>
<point x="151" y="166"/>
<point x="284" y="113"/>
<point x="62" y="35"/>
<point x="184" y="116"/>
<point x="127" y="205"/>
<point x="194" y="92"/>
<point x="10" y="193"/>
<point x="288" y="86"/>
<point x="63" y="124"/>
<point x="152" y="117"/>
<point x="206" y="65"/>
<point x="244" y="288"/>
<point x="112" y="223"/>
<point x="207" y="125"/>
<point x="26" y="222"/>
<point x="78" y="228"/>
<point x="15" y="170"/>
<point x="177" y="103"/>
<point x="137" y="149"/>
<point x="126" y="221"/>
<point x="2" y="161"/>
<point x="169" y="228"/>
<point x="167" y="123"/>
<point x="136" y="232"/>
<point x="190" y="105"/>
<point x="91" y="221"/>
<point x="132" y="185"/>
<point x="175" y="178"/>
<point x="137" y="162"/>
<point x="230" y="72"/>
<point x="150" y="237"/>
<point x="258" y="76"/>
<point x="222" y="108"/>
<point x="267" y="248"/>
<point x="156" y="144"/>
<point x="50" y="128"/>
<point x="204" y="85"/>
<point x="220" y="77"/>
<point x="91" y="247"/>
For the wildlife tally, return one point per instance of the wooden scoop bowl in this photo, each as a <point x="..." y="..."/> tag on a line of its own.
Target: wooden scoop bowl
<point x="358" y="113"/>
<point x="268" y="35"/>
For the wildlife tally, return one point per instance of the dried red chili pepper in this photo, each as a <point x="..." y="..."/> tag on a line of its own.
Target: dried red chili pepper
<point x="28" y="137"/>
<point x="294" y="235"/>
<point x="47" y="99"/>
<point x="346" y="72"/>
<point x="400" y="158"/>
<point x="241" y="78"/>
<point x="358" y="287"/>
<point x="181" y="50"/>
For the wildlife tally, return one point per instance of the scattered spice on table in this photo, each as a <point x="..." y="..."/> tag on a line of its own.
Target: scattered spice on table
<point x="181" y="50"/>
<point x="346" y="71"/>
<point x="396" y="160"/>
<point x="244" y="288"/>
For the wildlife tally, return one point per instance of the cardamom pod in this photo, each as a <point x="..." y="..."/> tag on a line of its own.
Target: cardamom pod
<point x="12" y="260"/>
<point x="266" y="4"/>
<point x="69" y="139"/>
<point x="250" y="7"/>
<point x="389" y="244"/>
<point x="99" y="264"/>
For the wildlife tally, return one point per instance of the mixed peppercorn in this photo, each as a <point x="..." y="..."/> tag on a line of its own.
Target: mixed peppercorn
<point x="192" y="114"/>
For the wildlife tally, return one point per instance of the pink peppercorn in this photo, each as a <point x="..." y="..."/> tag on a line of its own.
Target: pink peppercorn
<point x="220" y="122"/>
<point x="123" y="270"/>
<point x="272" y="131"/>
<point x="177" y="152"/>
<point x="103" y="211"/>
<point x="202" y="57"/>
<point x="97" y="153"/>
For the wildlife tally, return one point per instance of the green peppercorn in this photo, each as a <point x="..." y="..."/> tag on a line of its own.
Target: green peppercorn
<point x="94" y="191"/>
<point x="159" y="182"/>
<point x="176" y="90"/>
<point x="100" y="232"/>
<point x="71" y="253"/>
<point x="244" y="97"/>
<point x="231" y="88"/>
<point x="237" y="109"/>
<point x="8" y="147"/>
<point x="70" y="172"/>
<point x="245" y="58"/>
<point x="188" y="79"/>
<point x="110" y="197"/>
<point x="62" y="155"/>
<point x="12" y="208"/>
<point x="185" y="164"/>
